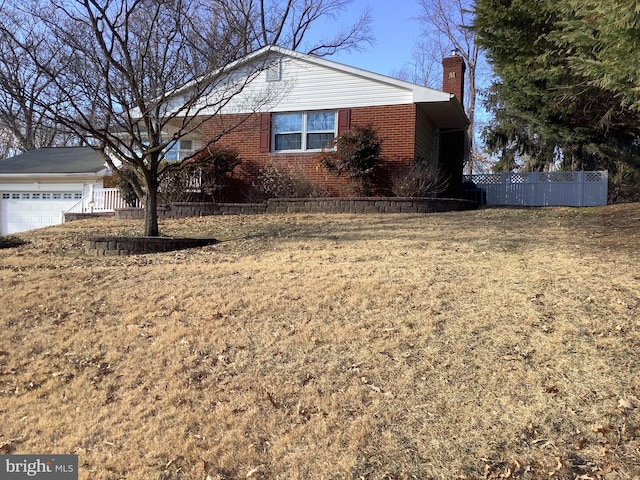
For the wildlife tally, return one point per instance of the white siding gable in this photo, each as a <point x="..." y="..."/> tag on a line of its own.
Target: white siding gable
<point x="310" y="83"/>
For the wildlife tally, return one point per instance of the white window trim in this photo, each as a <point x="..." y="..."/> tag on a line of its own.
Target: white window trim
<point x="304" y="132"/>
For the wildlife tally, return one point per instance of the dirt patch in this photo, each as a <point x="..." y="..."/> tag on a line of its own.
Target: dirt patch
<point x="498" y="343"/>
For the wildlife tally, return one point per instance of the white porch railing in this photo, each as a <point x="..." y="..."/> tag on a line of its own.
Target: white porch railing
<point x="100" y="200"/>
<point x="541" y="189"/>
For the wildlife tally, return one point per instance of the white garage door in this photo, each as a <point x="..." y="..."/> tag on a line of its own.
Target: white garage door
<point x="22" y="211"/>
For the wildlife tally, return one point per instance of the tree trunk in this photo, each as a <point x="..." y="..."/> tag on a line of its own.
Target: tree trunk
<point x="576" y="158"/>
<point x="151" y="209"/>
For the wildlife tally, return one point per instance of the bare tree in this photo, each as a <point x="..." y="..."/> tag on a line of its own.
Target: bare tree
<point x="6" y="143"/>
<point x="22" y="87"/>
<point x="259" y="23"/>
<point x="446" y="26"/>
<point x="424" y="68"/>
<point x="134" y="76"/>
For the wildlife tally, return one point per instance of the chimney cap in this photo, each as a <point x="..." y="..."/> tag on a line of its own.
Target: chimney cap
<point x="455" y="52"/>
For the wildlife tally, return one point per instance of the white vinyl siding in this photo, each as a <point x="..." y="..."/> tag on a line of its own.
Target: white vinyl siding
<point x="338" y="89"/>
<point x="302" y="81"/>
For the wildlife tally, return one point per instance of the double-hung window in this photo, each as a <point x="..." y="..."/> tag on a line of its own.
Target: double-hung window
<point x="178" y="150"/>
<point x="303" y="131"/>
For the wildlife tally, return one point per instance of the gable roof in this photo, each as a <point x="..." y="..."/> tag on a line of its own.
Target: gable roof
<point x="419" y="93"/>
<point x="56" y="161"/>
<point x="369" y="88"/>
<point x="308" y="82"/>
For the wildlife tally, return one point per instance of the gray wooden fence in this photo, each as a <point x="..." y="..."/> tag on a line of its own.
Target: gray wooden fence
<point x="540" y="189"/>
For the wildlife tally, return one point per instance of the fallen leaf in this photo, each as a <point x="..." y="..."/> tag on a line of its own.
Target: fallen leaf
<point x="254" y="471"/>
<point x="609" y="468"/>
<point x="625" y="404"/>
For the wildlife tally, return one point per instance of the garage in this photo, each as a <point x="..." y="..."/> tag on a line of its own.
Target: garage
<point x="21" y="211"/>
<point x="37" y="187"/>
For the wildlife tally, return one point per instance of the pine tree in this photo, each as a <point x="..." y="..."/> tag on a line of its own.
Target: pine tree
<point x="550" y="60"/>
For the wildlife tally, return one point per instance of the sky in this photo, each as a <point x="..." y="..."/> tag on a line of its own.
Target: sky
<point x="395" y="29"/>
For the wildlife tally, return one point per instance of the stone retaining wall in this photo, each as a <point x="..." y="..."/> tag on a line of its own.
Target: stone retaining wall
<point x="306" y="205"/>
<point x="368" y="205"/>
<point x="194" y="209"/>
<point x="101" y="246"/>
<point x="72" y="217"/>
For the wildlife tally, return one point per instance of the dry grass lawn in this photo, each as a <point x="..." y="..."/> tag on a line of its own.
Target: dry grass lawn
<point x="499" y="343"/>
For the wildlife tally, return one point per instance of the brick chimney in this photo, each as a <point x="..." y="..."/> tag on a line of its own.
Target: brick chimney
<point x="453" y="68"/>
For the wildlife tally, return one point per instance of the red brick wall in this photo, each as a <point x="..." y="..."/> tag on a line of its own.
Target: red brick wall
<point x="453" y="69"/>
<point x="395" y="125"/>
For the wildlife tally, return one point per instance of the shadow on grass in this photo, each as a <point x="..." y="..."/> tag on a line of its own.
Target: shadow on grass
<point x="11" y="242"/>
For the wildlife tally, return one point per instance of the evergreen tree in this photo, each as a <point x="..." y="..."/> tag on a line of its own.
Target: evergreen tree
<point x="549" y="59"/>
<point x="602" y="39"/>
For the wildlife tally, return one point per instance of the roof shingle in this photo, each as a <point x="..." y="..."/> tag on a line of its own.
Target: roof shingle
<point x="54" y="160"/>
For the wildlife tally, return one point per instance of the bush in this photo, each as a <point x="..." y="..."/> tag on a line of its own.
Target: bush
<point x="215" y="169"/>
<point x="177" y="184"/>
<point x="274" y="181"/>
<point x="204" y="176"/>
<point x="124" y="180"/>
<point x="422" y="179"/>
<point x="356" y="157"/>
<point x="624" y="183"/>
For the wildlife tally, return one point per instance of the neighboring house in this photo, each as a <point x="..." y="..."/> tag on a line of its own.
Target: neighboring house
<point x="313" y="100"/>
<point x="36" y="187"/>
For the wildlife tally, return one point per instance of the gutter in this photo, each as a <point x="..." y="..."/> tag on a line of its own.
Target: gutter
<point x="31" y="176"/>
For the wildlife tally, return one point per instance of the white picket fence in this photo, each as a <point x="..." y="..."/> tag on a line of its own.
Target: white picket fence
<point x="541" y="189"/>
<point x="100" y="200"/>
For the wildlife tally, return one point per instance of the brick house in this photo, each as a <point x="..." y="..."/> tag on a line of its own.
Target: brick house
<point x="299" y="103"/>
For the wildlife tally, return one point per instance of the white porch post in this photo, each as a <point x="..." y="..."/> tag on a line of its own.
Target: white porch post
<point x="91" y="200"/>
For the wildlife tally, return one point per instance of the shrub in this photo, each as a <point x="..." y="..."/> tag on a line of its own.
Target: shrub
<point x="204" y="175"/>
<point x="215" y="169"/>
<point x="274" y="181"/>
<point x="124" y="180"/>
<point x="624" y="183"/>
<point x="176" y="184"/>
<point x="422" y="179"/>
<point x="356" y="157"/>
